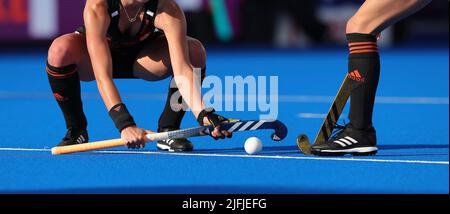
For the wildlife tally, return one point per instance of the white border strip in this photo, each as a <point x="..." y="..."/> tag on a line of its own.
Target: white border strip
<point x="245" y="156"/>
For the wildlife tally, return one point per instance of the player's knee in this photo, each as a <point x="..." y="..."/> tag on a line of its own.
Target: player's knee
<point x="358" y="24"/>
<point x="59" y="53"/>
<point x="197" y="53"/>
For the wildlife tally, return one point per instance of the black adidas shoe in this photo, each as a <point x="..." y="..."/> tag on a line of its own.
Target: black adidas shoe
<point x="74" y="136"/>
<point x="348" y="140"/>
<point x="175" y="145"/>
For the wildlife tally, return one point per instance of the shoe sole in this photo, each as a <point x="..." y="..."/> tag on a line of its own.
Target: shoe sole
<point x="365" y="151"/>
<point x="167" y="148"/>
<point x="70" y="144"/>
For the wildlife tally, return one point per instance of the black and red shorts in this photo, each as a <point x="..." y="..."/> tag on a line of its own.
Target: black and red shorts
<point x="124" y="56"/>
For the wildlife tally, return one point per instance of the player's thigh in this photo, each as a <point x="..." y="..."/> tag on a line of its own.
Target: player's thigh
<point x="71" y="49"/>
<point x="153" y="62"/>
<point x="376" y="15"/>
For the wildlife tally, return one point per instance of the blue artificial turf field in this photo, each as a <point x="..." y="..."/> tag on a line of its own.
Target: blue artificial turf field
<point x="411" y="117"/>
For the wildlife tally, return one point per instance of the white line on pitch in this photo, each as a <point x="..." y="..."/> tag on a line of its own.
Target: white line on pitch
<point x="281" y="98"/>
<point x="246" y="156"/>
<point x="379" y="100"/>
<point x="311" y="115"/>
<point x="25" y="150"/>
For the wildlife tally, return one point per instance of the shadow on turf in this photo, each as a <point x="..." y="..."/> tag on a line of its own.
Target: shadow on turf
<point x="278" y="149"/>
<point x="294" y="149"/>
<point x="412" y="146"/>
<point x="287" y="150"/>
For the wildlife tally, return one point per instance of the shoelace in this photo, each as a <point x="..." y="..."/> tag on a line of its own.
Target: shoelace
<point x="68" y="135"/>
<point x="338" y="129"/>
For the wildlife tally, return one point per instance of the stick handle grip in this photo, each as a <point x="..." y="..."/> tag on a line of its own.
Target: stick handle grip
<point x="106" y="144"/>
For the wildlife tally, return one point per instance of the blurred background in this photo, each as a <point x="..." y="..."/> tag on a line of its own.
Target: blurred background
<point x="281" y="23"/>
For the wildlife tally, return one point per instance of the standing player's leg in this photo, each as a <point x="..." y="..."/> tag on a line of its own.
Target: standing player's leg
<point x="154" y="64"/>
<point x="359" y="137"/>
<point x="371" y="19"/>
<point x="67" y="63"/>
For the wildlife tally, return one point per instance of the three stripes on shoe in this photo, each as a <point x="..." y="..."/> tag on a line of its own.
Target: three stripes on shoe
<point x="346" y="141"/>
<point x="81" y="139"/>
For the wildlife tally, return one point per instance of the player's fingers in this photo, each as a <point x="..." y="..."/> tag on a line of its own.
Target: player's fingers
<point x="142" y="143"/>
<point x="220" y="135"/>
<point x="127" y="143"/>
<point x="216" y="134"/>
<point x="130" y="145"/>
<point x="227" y="134"/>
<point x="135" y="143"/>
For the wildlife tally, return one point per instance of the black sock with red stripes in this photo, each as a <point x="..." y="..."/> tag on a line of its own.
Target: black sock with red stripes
<point x="364" y="70"/>
<point x="65" y="84"/>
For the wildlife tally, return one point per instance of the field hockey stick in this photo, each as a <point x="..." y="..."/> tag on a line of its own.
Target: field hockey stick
<point x="330" y="121"/>
<point x="280" y="132"/>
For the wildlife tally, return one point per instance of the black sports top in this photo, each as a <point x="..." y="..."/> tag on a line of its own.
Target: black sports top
<point x="116" y="38"/>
